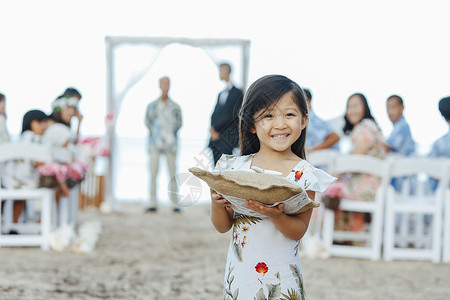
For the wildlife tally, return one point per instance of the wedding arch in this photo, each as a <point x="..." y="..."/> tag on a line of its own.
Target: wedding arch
<point x="120" y="78"/>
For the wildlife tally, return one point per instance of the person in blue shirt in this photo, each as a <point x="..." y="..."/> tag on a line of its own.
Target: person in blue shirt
<point x="319" y="134"/>
<point x="441" y="147"/>
<point x="400" y="140"/>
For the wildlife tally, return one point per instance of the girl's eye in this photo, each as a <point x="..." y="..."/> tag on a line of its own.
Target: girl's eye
<point x="269" y="116"/>
<point x="290" y="115"/>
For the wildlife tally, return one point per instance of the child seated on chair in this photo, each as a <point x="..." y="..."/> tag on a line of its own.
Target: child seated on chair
<point x="22" y="174"/>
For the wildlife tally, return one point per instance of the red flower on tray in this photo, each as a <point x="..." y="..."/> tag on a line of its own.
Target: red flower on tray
<point x="261" y="268"/>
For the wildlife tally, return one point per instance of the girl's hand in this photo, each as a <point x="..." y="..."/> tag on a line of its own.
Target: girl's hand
<point x="266" y="210"/>
<point x="219" y="201"/>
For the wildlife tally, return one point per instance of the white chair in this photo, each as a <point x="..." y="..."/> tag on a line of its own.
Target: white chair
<point x="323" y="159"/>
<point x="354" y="163"/>
<point x="422" y="240"/>
<point x="32" y="152"/>
<point x="68" y="209"/>
<point x="446" y="241"/>
<point x="312" y="241"/>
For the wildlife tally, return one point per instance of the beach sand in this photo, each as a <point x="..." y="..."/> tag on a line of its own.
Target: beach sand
<point x="180" y="256"/>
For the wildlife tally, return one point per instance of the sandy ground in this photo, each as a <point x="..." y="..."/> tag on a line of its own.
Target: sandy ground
<point x="180" y="256"/>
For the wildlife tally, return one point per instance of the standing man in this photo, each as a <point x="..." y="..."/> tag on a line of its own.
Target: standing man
<point x="163" y="120"/>
<point x="224" y="129"/>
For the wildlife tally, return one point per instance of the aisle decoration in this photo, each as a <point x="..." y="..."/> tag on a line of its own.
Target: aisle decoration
<point x="333" y="194"/>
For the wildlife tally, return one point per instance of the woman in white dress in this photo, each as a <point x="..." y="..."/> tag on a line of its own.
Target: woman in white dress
<point x="263" y="260"/>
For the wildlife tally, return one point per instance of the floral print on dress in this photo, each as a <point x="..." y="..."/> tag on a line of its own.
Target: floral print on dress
<point x="298" y="174"/>
<point x="241" y="227"/>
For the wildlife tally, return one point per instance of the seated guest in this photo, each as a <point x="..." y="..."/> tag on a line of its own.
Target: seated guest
<point x="319" y="133"/>
<point x="4" y="135"/>
<point x="400" y="141"/>
<point x="441" y="147"/>
<point x="22" y="174"/>
<point x="366" y="139"/>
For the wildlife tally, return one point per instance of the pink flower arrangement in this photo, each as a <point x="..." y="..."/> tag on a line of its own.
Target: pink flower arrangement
<point x="59" y="171"/>
<point x="333" y="194"/>
<point x="336" y="190"/>
<point x="73" y="172"/>
<point x="77" y="169"/>
<point x="93" y="146"/>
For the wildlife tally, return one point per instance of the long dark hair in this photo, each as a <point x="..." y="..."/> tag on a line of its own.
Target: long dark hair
<point x="30" y="116"/>
<point x="348" y="127"/>
<point x="259" y="97"/>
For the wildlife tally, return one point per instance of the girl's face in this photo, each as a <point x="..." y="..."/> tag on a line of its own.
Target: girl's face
<point x="280" y="126"/>
<point x="355" y="110"/>
<point x="38" y="127"/>
<point x="67" y="113"/>
<point x="2" y="107"/>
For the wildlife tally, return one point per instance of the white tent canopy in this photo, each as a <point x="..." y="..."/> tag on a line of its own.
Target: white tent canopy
<point x="122" y="75"/>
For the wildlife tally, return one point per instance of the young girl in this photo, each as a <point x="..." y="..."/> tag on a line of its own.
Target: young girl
<point x="22" y="174"/>
<point x="263" y="260"/>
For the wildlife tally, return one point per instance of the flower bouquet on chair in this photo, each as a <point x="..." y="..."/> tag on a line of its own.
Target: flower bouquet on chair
<point x="333" y="194"/>
<point x="76" y="172"/>
<point x="51" y="173"/>
<point x="71" y="174"/>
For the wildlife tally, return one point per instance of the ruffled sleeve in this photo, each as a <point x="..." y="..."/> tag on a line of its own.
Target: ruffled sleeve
<point x="225" y="162"/>
<point x="310" y="177"/>
<point x="230" y="162"/>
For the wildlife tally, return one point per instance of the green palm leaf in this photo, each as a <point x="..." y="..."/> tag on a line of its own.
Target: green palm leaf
<point x="292" y="295"/>
<point x="243" y="219"/>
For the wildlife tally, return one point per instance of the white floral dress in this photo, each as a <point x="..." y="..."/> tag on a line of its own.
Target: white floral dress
<point x="262" y="263"/>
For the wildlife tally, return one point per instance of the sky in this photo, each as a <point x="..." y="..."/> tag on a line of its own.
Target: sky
<point x="335" y="48"/>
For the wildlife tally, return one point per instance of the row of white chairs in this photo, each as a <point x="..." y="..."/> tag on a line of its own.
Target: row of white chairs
<point x="52" y="216"/>
<point x="411" y="224"/>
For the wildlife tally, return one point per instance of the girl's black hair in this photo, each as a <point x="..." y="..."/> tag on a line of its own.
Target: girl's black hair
<point x="56" y="116"/>
<point x="71" y="92"/>
<point x="259" y="97"/>
<point x="348" y="127"/>
<point x="30" y="116"/>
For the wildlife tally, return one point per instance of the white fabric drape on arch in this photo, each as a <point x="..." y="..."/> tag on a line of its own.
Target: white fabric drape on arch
<point x="130" y="59"/>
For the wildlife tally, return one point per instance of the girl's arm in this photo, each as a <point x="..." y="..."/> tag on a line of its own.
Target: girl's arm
<point x="292" y="226"/>
<point x="221" y="212"/>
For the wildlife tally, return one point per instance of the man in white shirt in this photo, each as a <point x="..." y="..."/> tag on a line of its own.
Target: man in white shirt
<point x="224" y="130"/>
